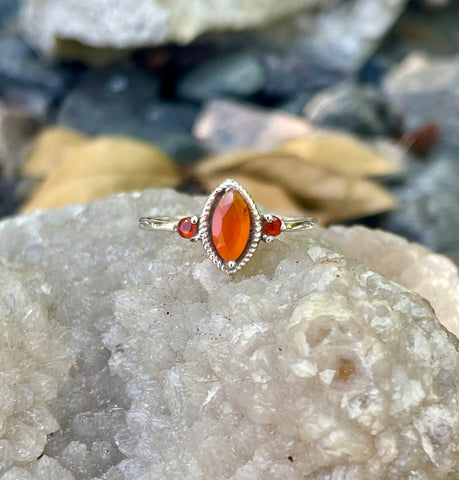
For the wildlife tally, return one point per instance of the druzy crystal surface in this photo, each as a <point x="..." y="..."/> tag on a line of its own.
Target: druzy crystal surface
<point x="127" y="354"/>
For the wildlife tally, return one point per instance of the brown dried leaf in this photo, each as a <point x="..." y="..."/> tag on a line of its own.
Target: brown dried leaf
<point x="280" y="168"/>
<point x="339" y="153"/>
<point x="50" y="149"/>
<point x="101" y="167"/>
<point x="330" y="198"/>
<point x="339" y="199"/>
<point x="307" y="173"/>
<point x="297" y="178"/>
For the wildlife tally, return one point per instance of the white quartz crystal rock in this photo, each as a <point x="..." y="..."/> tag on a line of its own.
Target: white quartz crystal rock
<point x="32" y="358"/>
<point x="307" y="364"/>
<point x="44" y="469"/>
<point x="433" y="276"/>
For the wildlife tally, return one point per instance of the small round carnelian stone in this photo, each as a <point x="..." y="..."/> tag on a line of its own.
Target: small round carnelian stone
<point x="272" y="227"/>
<point x="186" y="228"/>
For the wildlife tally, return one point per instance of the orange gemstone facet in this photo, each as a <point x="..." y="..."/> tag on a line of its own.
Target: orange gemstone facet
<point x="186" y="228"/>
<point x="231" y="226"/>
<point x="272" y="227"/>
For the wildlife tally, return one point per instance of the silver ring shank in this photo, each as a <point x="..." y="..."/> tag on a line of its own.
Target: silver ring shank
<point x="304" y="223"/>
<point x="169" y="224"/>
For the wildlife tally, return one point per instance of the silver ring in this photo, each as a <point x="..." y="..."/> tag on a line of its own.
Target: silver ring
<point x="229" y="227"/>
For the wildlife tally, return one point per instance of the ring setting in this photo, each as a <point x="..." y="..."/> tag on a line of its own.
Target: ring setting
<point x="230" y="226"/>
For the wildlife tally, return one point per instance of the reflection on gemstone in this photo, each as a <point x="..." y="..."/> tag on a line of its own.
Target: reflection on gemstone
<point x="231" y="226"/>
<point x="187" y="228"/>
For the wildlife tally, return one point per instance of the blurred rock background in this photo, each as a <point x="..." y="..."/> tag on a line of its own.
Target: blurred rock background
<point x="348" y="110"/>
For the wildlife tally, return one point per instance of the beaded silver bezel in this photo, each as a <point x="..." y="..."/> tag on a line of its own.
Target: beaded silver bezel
<point x="205" y="227"/>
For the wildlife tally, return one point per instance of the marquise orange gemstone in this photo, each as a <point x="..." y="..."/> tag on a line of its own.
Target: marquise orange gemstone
<point x="231" y="226"/>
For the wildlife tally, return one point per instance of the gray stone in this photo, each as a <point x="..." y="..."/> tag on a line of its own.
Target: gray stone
<point x="238" y="74"/>
<point x="309" y="42"/>
<point x="17" y="129"/>
<point x="296" y="70"/>
<point x="8" y="11"/>
<point x="305" y="363"/>
<point x="53" y="23"/>
<point x="225" y="125"/>
<point x="110" y="98"/>
<point x="347" y="107"/>
<point x="352" y="31"/>
<point x="123" y="100"/>
<point x="169" y="117"/>
<point x="427" y="89"/>
<point x="26" y="79"/>
<point x="183" y="148"/>
<point x="296" y="103"/>
<point x="429" y="207"/>
<point x="21" y="190"/>
<point x="348" y="34"/>
<point x="436" y="3"/>
<point x="438" y="25"/>
<point x="313" y="53"/>
<point x="430" y="30"/>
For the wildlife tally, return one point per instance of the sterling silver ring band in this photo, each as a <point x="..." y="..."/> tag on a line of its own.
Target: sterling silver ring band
<point x="170" y="223"/>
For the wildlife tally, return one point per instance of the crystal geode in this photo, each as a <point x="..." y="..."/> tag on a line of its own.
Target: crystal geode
<point x="139" y="359"/>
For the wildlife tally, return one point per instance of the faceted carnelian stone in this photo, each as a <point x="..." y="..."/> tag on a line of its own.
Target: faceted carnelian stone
<point x="186" y="228"/>
<point x="231" y="226"/>
<point x="272" y="227"/>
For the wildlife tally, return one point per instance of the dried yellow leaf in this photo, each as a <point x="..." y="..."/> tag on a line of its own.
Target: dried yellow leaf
<point x="50" y="149"/>
<point x="339" y="153"/>
<point x="339" y="199"/>
<point x="116" y="155"/>
<point x="324" y="175"/>
<point x="102" y="167"/>
<point x="292" y="174"/>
